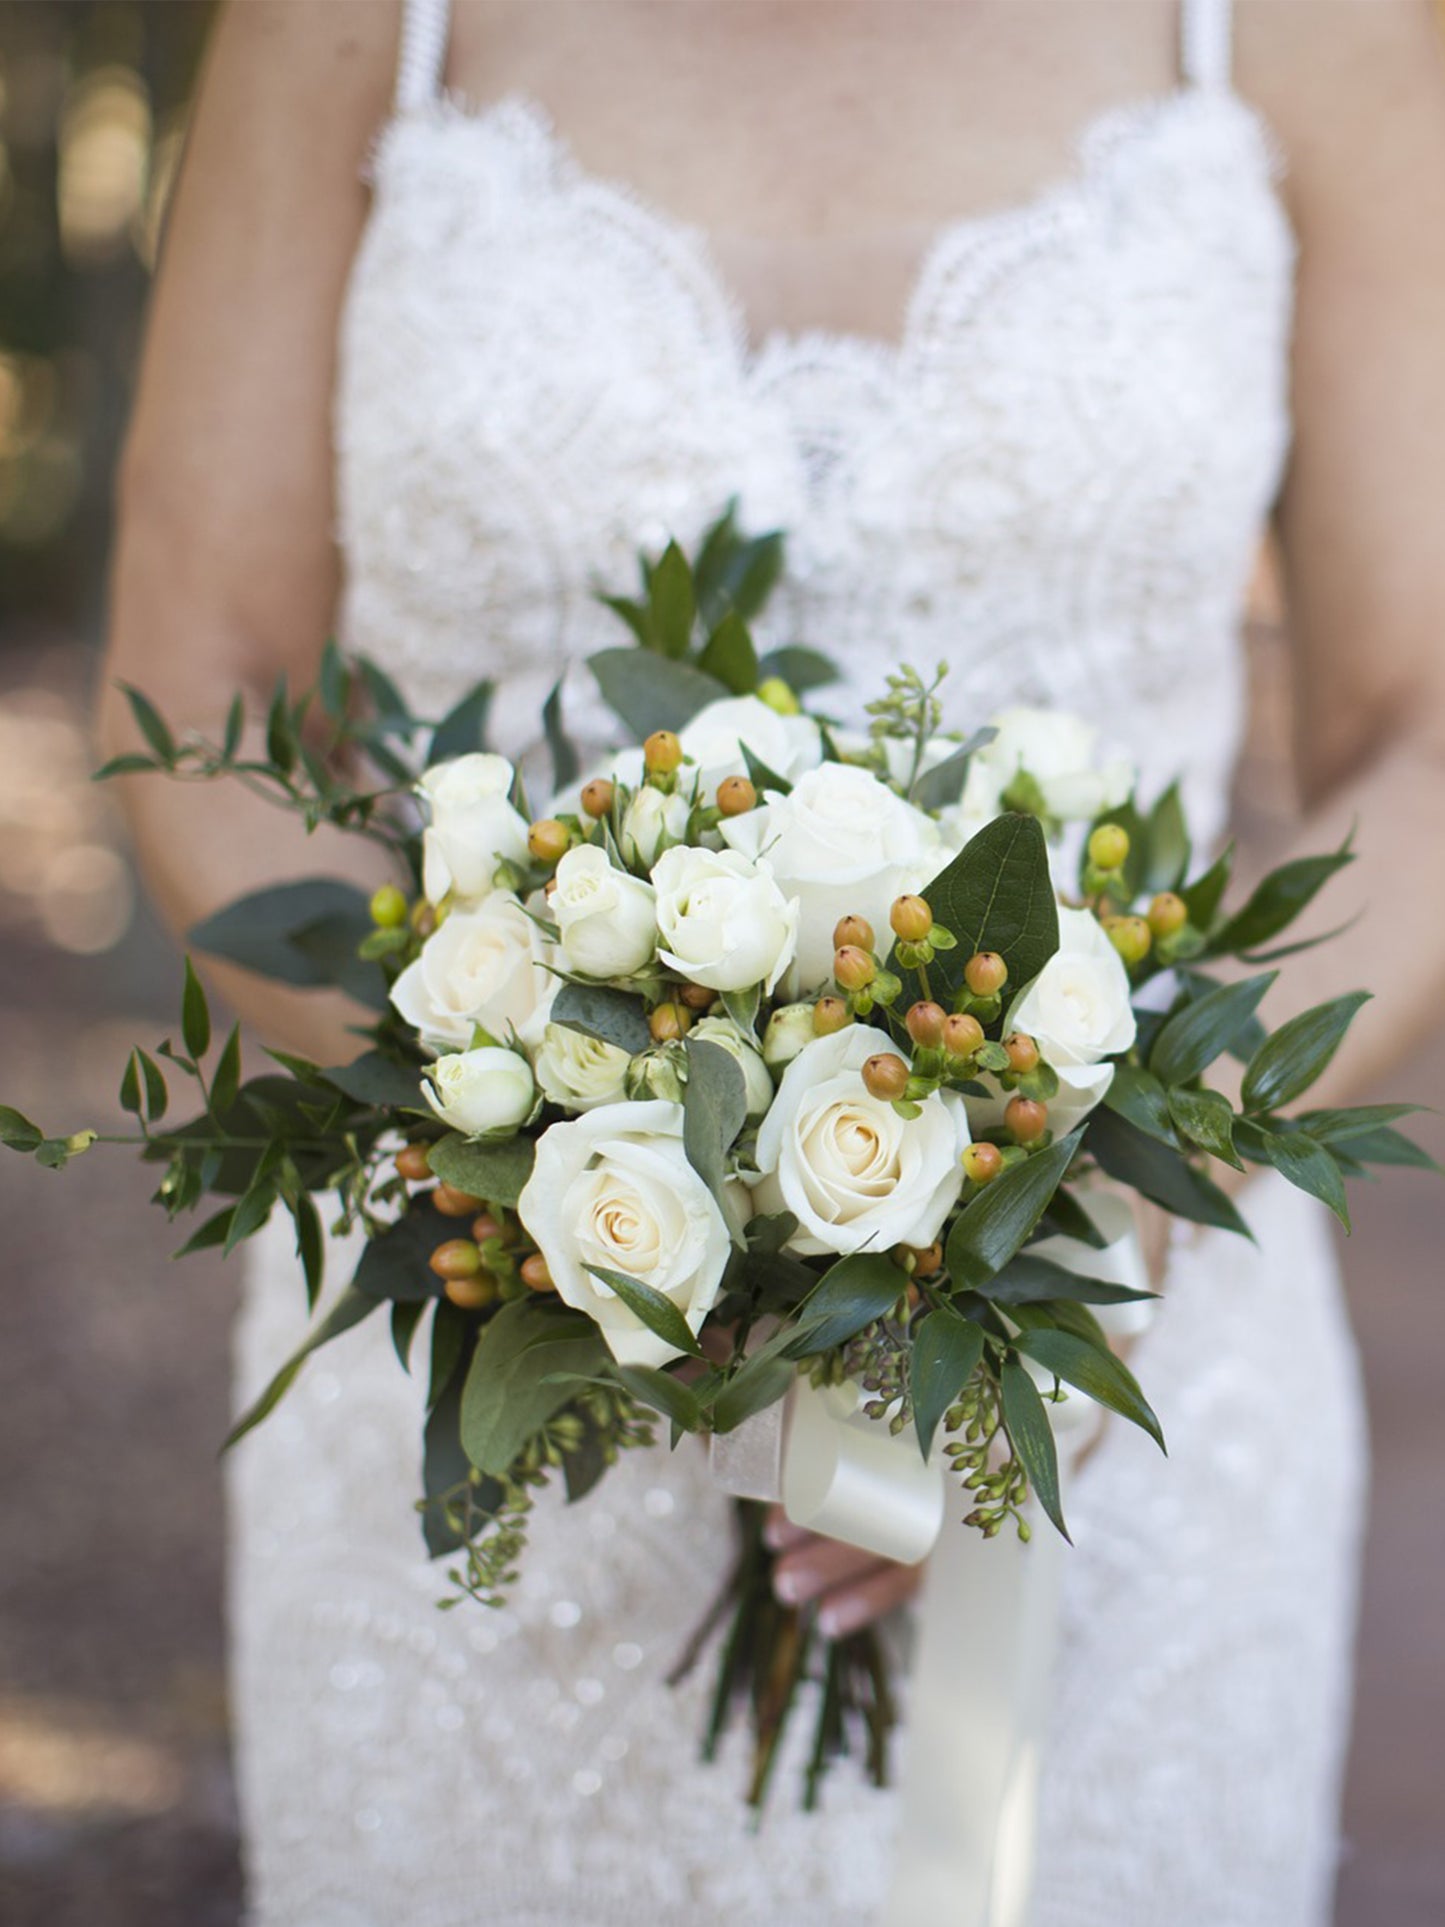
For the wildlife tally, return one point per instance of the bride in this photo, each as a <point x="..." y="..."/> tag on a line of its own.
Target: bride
<point x="457" y="312"/>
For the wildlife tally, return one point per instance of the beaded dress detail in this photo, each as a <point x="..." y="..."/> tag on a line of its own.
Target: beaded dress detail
<point x="1055" y="480"/>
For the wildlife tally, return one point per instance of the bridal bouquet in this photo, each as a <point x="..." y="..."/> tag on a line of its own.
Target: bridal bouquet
<point x="772" y="1058"/>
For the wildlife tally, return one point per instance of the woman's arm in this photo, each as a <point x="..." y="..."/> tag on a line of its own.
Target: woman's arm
<point x="225" y="573"/>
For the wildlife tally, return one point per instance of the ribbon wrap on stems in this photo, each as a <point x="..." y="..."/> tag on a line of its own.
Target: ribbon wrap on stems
<point x="987" y="1620"/>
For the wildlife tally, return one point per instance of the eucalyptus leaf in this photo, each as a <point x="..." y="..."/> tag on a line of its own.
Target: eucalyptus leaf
<point x="803" y="670"/>
<point x="393" y="1263"/>
<point x="673" y="602"/>
<point x="305" y="934"/>
<point x="649" y="693"/>
<point x="560" y="747"/>
<point x="729" y="655"/>
<point x="376" y="1079"/>
<point x="611" y="1016"/>
<point x="518" y="1378"/>
<point x="714" y="1110"/>
<point x="496" y="1171"/>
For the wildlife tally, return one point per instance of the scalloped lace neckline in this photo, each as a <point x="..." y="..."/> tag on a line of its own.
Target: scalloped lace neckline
<point x="519" y="116"/>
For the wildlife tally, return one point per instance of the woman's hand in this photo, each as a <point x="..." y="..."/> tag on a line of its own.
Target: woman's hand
<point x="850" y="1587"/>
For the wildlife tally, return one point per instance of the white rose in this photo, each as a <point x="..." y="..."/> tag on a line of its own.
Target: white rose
<point x="722" y="920"/>
<point x="607" y="919"/>
<point x="1077" y="1009"/>
<point x="844" y="844"/>
<point x="579" y="1072"/>
<point x="1059" y="751"/>
<point x="788" y="745"/>
<point x="789" y="1028"/>
<point x="472" y="825"/>
<point x="478" y="1091"/>
<point x="651" y="822"/>
<point x="482" y="966"/>
<point x="615" y="1189"/>
<point x="853" y="1172"/>
<point x="743" y="1046"/>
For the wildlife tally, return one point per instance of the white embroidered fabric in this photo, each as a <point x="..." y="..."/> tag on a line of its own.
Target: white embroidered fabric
<point x="1054" y="481"/>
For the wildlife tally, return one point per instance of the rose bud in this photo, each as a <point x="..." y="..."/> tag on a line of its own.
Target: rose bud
<point x="962" y="1035"/>
<point x="926" y="1024"/>
<point x="911" y="918"/>
<point x="885" y="1076"/>
<point x="830" y="1014"/>
<point x="1130" y="936"/>
<point x="1025" y="1119"/>
<point x="412" y="1164"/>
<point x="736" y="796"/>
<point x="982" y="1162"/>
<point x="548" y="840"/>
<point x="455" y="1204"/>
<point x="535" y="1275"/>
<point x="457" y="1258"/>
<point x="661" y="753"/>
<point x="598" y="796"/>
<point x="1167" y="914"/>
<point x="789" y="1028"/>
<point x="1108" y="846"/>
<point x="1023" y="1053"/>
<point x="669" y="1021"/>
<point x="985" y="973"/>
<point x="388" y="907"/>
<point x="853" y="968"/>
<point x="853" y="932"/>
<point x="471" y="1294"/>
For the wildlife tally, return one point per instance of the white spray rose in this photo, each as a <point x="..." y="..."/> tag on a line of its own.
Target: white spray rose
<point x="853" y="1172"/>
<point x="579" y="1072"/>
<point x="743" y="1046"/>
<point x="472" y="825"/>
<point x="843" y="844"/>
<point x="482" y="966"/>
<point x="722" y="920"/>
<point x="788" y="745"/>
<point x="789" y="1028"/>
<point x="651" y="822"/>
<point x="1077" y="1009"/>
<point x="607" y="919"/>
<point x="479" y="1091"/>
<point x="615" y="1189"/>
<point x="1060" y="752"/>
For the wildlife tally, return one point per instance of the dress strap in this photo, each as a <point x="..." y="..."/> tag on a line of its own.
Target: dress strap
<point x="421" y="58"/>
<point x="1204" y="42"/>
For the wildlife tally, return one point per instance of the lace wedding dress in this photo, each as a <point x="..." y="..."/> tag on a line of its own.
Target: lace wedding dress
<point x="1055" y="480"/>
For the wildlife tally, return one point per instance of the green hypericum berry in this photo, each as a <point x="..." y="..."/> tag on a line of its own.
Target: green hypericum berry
<point x="1130" y="936"/>
<point x="982" y="1162"/>
<point x="779" y="697"/>
<point x="1168" y="914"/>
<point x="1109" y="846"/>
<point x="388" y="907"/>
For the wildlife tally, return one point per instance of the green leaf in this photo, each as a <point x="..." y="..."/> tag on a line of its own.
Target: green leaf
<point x="227" y="1080"/>
<point x="1288" y="1062"/>
<point x="215" y="1231"/>
<point x="634" y="614"/>
<point x="946" y="1350"/>
<point x="560" y="747"/>
<point x="714" y="1110"/>
<point x="1203" y="896"/>
<point x="943" y="784"/>
<point x="663" y="1393"/>
<point x="649" y="693"/>
<point x="761" y="776"/>
<point x="496" y="1172"/>
<point x="446" y="1470"/>
<point x="611" y="1016"/>
<point x="993" y="1226"/>
<point x="18" y="1132"/>
<point x="1203" y="1030"/>
<point x="1158" y="1173"/>
<point x="730" y="656"/>
<point x="1069" y="1219"/>
<point x="350" y="1308"/>
<point x="1099" y="1374"/>
<point x="850" y="1295"/>
<point x="758" y="1383"/>
<point x="1307" y="1165"/>
<point x="1030" y="1280"/>
<point x="1278" y="900"/>
<point x="803" y="670"/>
<point x="305" y="934"/>
<point x="310" y="1245"/>
<point x="450" y="1334"/>
<point x="653" y="1308"/>
<point x="405" y="1317"/>
<point x="996" y="894"/>
<point x="1349" y="1121"/>
<point x="150" y="723"/>
<point x="133" y="764"/>
<point x="464" y="727"/>
<point x="742" y="1006"/>
<point x="129" y="1094"/>
<point x="1387" y="1146"/>
<point x="517" y="1378"/>
<point x="387" y="699"/>
<point x="393" y="1263"/>
<point x="195" y="1016"/>
<point x="281" y="744"/>
<point x="156" y="1094"/>
<point x="1206" y="1119"/>
<point x="377" y="1080"/>
<point x="1168" y="843"/>
<point x="333" y="684"/>
<point x="1032" y="1438"/>
<point x="253" y="1210"/>
<point x="673" y="602"/>
<point x="1138" y="1095"/>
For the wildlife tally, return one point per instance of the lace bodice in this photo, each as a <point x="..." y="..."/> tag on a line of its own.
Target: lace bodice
<point x="1054" y="479"/>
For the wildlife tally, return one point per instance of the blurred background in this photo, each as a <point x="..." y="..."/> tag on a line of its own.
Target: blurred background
<point x="116" y="1806"/>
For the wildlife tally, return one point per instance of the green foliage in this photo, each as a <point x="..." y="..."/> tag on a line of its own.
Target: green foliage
<point x="655" y="1310"/>
<point x="995" y="1224"/>
<point x="1094" y="1370"/>
<point x="1204" y="1029"/>
<point x="494" y="1171"/>
<point x="714" y="1110"/>
<point x="996" y="894"/>
<point x="525" y="1368"/>
<point x="611" y="1016"/>
<point x="305" y="934"/>
<point x="1287" y="1063"/>
<point x="1032" y="1438"/>
<point x="850" y="1295"/>
<point x="946" y="1352"/>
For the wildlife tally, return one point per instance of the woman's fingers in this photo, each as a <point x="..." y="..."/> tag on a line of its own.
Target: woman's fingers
<point x="849" y="1586"/>
<point x="845" y="1609"/>
<point x="806" y="1571"/>
<point x="779" y="1532"/>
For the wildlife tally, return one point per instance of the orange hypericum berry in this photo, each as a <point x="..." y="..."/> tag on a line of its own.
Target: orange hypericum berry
<point x="736" y="796"/>
<point x="457" y="1258"/>
<point x="927" y="1259"/>
<point x="598" y="796"/>
<point x="535" y="1275"/>
<point x="853" y="968"/>
<point x="1023" y="1053"/>
<point x="926" y="1024"/>
<point x="1025" y="1119"/>
<point x="485" y="1226"/>
<point x="985" y="973"/>
<point x="455" y="1204"/>
<point x="962" y="1034"/>
<point x="669" y="1022"/>
<point x="1167" y="914"/>
<point x="885" y="1076"/>
<point x="661" y="753"/>
<point x="471" y="1294"/>
<point x="697" y="996"/>
<point x="982" y="1162"/>
<point x="911" y="918"/>
<point x="548" y="840"/>
<point x="830" y="1014"/>
<point x="853" y="932"/>
<point x="411" y="1163"/>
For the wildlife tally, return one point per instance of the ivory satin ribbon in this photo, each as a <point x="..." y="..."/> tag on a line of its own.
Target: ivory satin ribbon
<point x="987" y="1628"/>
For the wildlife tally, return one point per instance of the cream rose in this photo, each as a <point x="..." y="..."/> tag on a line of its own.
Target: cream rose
<point x="651" y="822"/>
<point x="482" y="966"/>
<point x="579" y="1072"/>
<point x="1077" y="1009"/>
<point x="472" y="826"/>
<point x="842" y="843"/>
<point x="1060" y="752"/>
<point x="714" y="740"/>
<point x="607" y="919"/>
<point x="722" y="920"/>
<point x="481" y="1091"/>
<point x="615" y="1189"/>
<point x="853" y="1172"/>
